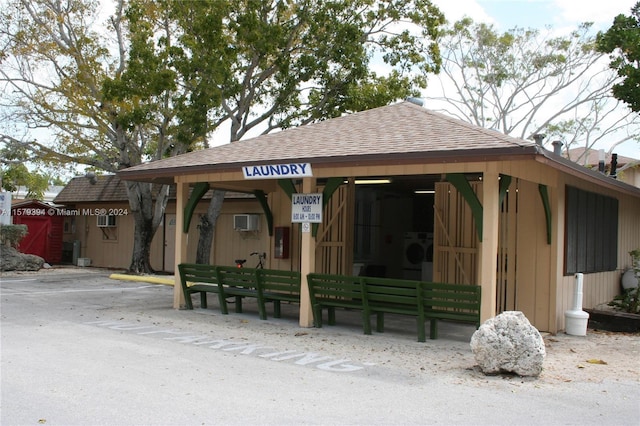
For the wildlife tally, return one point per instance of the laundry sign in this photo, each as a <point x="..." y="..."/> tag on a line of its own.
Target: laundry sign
<point x="277" y="171"/>
<point x="306" y="208"/>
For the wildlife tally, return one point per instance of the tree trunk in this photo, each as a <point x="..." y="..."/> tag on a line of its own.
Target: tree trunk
<point x="208" y="227"/>
<point x="147" y="217"/>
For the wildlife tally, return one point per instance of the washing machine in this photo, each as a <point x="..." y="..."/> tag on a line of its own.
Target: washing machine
<point x="418" y="256"/>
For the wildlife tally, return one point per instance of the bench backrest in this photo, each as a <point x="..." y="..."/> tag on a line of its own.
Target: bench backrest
<point x="451" y="297"/>
<point x="196" y="273"/>
<point x="275" y="280"/>
<point x="328" y="286"/>
<point x="400" y="293"/>
<point x="233" y="276"/>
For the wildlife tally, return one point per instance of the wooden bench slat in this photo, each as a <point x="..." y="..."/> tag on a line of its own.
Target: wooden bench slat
<point x="335" y="291"/>
<point x="192" y="277"/>
<point x="278" y="286"/>
<point x="266" y="285"/>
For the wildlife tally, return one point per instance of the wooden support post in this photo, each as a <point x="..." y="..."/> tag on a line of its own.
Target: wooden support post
<point x="489" y="244"/>
<point x="307" y="263"/>
<point x="182" y="197"/>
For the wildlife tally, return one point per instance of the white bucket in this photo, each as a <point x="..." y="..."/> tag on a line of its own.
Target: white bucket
<point x="575" y="323"/>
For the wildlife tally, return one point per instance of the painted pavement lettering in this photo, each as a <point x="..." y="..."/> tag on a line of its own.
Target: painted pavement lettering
<point x="320" y="361"/>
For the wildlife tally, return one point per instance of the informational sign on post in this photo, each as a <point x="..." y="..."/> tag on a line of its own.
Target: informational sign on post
<point x="5" y="208"/>
<point x="306" y="208"/>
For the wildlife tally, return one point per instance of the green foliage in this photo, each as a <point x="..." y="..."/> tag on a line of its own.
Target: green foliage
<point x="527" y="81"/>
<point x="628" y="301"/>
<point x="11" y="235"/>
<point x="622" y="42"/>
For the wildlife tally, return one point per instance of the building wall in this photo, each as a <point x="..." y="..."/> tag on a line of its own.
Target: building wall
<point x="600" y="287"/>
<point x="112" y="247"/>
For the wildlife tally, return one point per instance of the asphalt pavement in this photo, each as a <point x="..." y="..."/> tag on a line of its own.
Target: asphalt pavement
<point x="80" y="348"/>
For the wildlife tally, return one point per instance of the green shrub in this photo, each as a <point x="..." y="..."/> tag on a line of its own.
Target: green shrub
<point x="11" y="235"/>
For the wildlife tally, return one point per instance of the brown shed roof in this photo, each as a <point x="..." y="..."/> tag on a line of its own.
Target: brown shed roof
<point x="80" y="189"/>
<point x="110" y="188"/>
<point x="401" y="130"/>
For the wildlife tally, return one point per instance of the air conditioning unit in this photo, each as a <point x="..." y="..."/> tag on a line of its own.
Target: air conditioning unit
<point x="246" y="222"/>
<point x="106" y="221"/>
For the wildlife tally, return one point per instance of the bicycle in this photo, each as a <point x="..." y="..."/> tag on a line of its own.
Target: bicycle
<point x="261" y="258"/>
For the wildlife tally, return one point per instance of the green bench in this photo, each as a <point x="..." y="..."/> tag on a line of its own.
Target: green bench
<point x="372" y="295"/>
<point x="266" y="285"/>
<point x="238" y="283"/>
<point x="335" y="291"/>
<point x="387" y="295"/>
<point x="203" y="279"/>
<point x="278" y="286"/>
<point x="455" y="302"/>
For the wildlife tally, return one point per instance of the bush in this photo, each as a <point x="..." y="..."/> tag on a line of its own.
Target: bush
<point x="11" y="235"/>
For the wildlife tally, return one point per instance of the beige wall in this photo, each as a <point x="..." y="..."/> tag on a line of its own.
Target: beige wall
<point x="600" y="287"/>
<point x="112" y="247"/>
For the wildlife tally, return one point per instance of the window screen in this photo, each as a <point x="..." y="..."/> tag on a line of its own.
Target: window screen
<point x="591" y="240"/>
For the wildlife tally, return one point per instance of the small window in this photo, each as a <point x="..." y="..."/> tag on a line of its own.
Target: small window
<point x="591" y="232"/>
<point x="106" y="221"/>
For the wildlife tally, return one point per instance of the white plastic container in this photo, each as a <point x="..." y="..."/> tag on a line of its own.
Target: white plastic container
<point x="84" y="261"/>
<point x="576" y="320"/>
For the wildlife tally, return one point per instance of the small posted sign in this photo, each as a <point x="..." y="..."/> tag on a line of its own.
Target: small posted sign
<point x="306" y="208"/>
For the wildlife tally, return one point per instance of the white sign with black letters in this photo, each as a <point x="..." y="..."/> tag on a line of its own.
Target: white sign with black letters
<point x="306" y="208"/>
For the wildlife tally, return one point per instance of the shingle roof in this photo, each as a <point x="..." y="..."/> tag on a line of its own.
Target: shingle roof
<point x="396" y="131"/>
<point x="110" y="188"/>
<point x="80" y="189"/>
<point x="592" y="157"/>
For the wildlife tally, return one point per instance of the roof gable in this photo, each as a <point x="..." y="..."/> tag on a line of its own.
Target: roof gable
<point x="80" y="189"/>
<point x="402" y="129"/>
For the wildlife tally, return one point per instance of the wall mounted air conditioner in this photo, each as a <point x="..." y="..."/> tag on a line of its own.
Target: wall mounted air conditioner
<point x="106" y="221"/>
<point x="246" y="222"/>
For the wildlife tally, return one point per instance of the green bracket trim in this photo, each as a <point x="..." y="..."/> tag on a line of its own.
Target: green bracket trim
<point x="199" y="189"/>
<point x="262" y="199"/>
<point x="544" y="194"/>
<point x="287" y="186"/>
<point x="329" y="188"/>
<point x="505" y="182"/>
<point x="460" y="182"/>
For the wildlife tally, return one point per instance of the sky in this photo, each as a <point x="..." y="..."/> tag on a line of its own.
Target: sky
<point x="562" y="15"/>
<point x="506" y="14"/>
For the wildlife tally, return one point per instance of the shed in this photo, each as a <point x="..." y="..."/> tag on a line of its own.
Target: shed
<point x="44" y="226"/>
<point x="500" y="212"/>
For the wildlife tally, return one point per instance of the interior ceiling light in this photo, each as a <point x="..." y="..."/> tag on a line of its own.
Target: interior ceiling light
<point x="424" y="191"/>
<point x="371" y="181"/>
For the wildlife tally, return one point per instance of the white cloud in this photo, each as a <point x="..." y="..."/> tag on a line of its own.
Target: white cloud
<point x="455" y="10"/>
<point x="598" y="11"/>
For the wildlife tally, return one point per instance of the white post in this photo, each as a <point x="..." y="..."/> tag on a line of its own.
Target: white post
<point x="577" y="301"/>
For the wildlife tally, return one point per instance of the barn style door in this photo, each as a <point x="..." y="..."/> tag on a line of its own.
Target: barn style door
<point x="334" y="241"/>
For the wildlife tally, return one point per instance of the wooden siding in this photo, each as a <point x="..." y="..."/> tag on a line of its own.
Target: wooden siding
<point x="112" y="247"/>
<point x="455" y="249"/>
<point x="601" y="287"/>
<point x="523" y="279"/>
<point x="334" y="240"/>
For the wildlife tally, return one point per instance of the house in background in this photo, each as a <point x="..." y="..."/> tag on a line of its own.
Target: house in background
<point x="627" y="169"/>
<point x="98" y="226"/>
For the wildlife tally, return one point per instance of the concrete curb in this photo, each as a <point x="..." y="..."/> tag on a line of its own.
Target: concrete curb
<point x="143" y="278"/>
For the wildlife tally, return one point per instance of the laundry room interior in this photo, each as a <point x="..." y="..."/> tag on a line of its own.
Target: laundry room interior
<point x="394" y="227"/>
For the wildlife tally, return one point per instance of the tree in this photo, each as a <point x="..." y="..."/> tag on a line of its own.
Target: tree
<point x="622" y="41"/>
<point x="14" y="173"/>
<point x="99" y="106"/>
<point x="284" y="64"/>
<point x="524" y="82"/>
